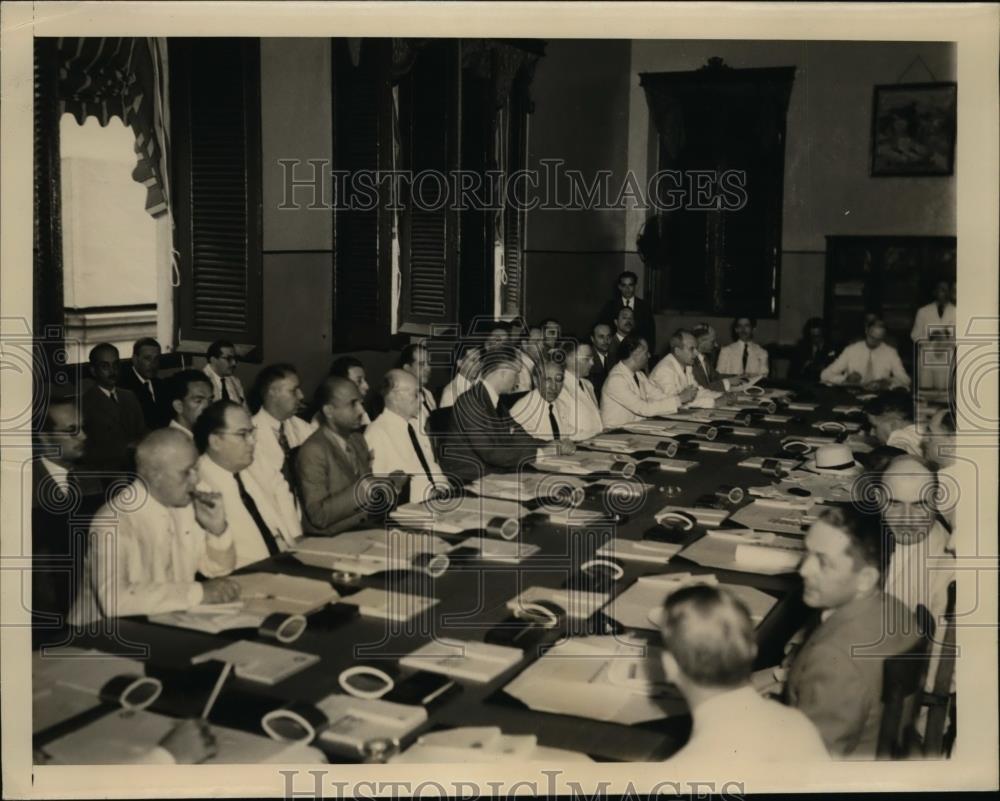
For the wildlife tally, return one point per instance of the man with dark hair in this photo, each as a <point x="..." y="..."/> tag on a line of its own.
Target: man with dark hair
<point x="743" y="357"/>
<point x="703" y="367"/>
<point x="468" y="359"/>
<point x="280" y="432"/>
<point x="112" y="417"/>
<point x="221" y="369"/>
<point x="530" y="353"/>
<point x="189" y="392"/>
<point x="625" y="298"/>
<point x="353" y="370"/>
<point x="890" y="416"/>
<point x="600" y="339"/>
<point x="140" y="378"/>
<point x="144" y="558"/>
<point x="709" y="646"/>
<point x="225" y="436"/>
<point x="870" y="362"/>
<point x="585" y="409"/>
<point x="551" y="333"/>
<point x="624" y="325"/>
<point x="628" y="395"/>
<point x="812" y="353"/>
<point x="934" y="333"/>
<point x="483" y="437"/>
<point x="413" y="359"/>
<point x="836" y="677"/>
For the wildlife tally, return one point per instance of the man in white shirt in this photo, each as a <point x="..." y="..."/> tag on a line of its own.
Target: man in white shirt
<point x="890" y="415"/>
<point x="921" y="566"/>
<point x="551" y="333"/>
<point x="743" y="357"/>
<point x="530" y="354"/>
<point x="398" y="442"/>
<point x="546" y="412"/>
<point x="225" y="436"/>
<point x="148" y="543"/>
<point x="628" y="395"/>
<point x="189" y="391"/>
<point x="674" y="376"/>
<point x="279" y="432"/>
<point x="870" y="363"/>
<point x="709" y="648"/>
<point x="413" y="359"/>
<point x="934" y="334"/>
<point x="221" y="369"/>
<point x="469" y="357"/>
<point x="586" y="409"/>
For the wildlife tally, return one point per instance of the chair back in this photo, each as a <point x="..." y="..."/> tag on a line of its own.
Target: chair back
<point x="902" y="683"/>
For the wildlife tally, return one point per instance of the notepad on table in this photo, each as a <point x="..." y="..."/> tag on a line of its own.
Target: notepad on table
<point x="386" y="605"/>
<point x="475" y="661"/>
<point x="703" y="515"/>
<point x="260" y="662"/>
<point x="649" y="551"/>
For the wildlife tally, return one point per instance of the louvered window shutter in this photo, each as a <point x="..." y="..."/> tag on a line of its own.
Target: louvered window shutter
<point x="429" y="117"/>
<point x="513" y="228"/>
<point x="215" y="99"/>
<point x="362" y="133"/>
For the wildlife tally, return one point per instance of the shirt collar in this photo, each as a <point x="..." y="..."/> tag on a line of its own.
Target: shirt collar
<point x="265" y="418"/>
<point x="494" y="396"/>
<point x="138" y="377"/>
<point x="175" y="424"/>
<point x="108" y="392"/>
<point x="56" y="470"/>
<point x="207" y="465"/>
<point x="395" y="418"/>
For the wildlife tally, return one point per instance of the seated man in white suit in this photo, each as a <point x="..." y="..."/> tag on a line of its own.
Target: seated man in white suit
<point x="398" y="442"/>
<point x="743" y="356"/>
<point x="226" y="436"/>
<point x="279" y="432"/>
<point x="675" y="377"/>
<point x="547" y="413"/>
<point x="413" y="359"/>
<point x="870" y="362"/>
<point x="628" y="395"/>
<point x="149" y="542"/>
<point x="579" y="388"/>
<point x="466" y="376"/>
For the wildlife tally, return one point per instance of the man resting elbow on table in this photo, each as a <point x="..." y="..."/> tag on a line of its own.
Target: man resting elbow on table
<point x="148" y="542"/>
<point x="674" y="375"/>
<point x="628" y="395"/>
<point x="483" y="437"/>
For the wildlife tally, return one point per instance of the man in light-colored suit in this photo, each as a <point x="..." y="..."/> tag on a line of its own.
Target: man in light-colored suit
<point x="673" y="374"/>
<point x="628" y="395"/>
<point x="577" y="385"/>
<point x="334" y="465"/>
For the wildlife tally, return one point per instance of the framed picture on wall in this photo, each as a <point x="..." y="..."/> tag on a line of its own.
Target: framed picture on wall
<point x="913" y="129"/>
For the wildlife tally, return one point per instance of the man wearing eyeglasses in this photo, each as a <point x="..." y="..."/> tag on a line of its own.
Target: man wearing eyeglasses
<point x="225" y="437"/>
<point x="221" y="369"/>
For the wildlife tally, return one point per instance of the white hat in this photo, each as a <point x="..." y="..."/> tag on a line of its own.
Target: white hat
<point x="835" y="459"/>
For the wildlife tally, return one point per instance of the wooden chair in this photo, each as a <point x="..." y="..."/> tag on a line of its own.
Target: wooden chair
<point x="940" y="701"/>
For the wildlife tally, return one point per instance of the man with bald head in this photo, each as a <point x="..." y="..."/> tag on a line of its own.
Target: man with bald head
<point x="921" y="566"/>
<point x="397" y="439"/>
<point x="149" y="542"/>
<point x="600" y="340"/>
<point x="112" y="416"/>
<point x="334" y="464"/>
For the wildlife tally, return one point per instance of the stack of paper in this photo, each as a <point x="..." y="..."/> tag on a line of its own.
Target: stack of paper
<point x="128" y="737"/>
<point x="801" y="406"/>
<point x="474" y="661"/>
<point x="260" y="662"/>
<point x="787" y="517"/>
<point x="211" y="618"/>
<point x="657" y="553"/>
<point x="762" y="552"/>
<point x="847" y="408"/>
<point x="757" y="463"/>
<point x="671" y="428"/>
<point x="491" y="550"/>
<point x="577" y="604"/>
<point x="672" y="465"/>
<point x="493" y="515"/>
<point x="625" y="443"/>
<point x="821" y="488"/>
<point x="69" y="681"/>
<point x="269" y="593"/>
<point x="387" y="605"/>
<point x="481" y="744"/>
<point x="372" y="551"/>
<point x="703" y="515"/>
<point x="602" y="678"/>
<point x="587" y="463"/>
<point x="524" y="487"/>
<point x="632" y="607"/>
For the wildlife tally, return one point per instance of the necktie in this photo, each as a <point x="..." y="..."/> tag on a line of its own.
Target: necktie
<point x="149" y="389"/>
<point x="553" y="422"/>
<point x="265" y="532"/>
<point x="225" y="391"/>
<point x="286" y="464"/>
<point x="114" y="396"/>
<point x="420" y="452"/>
<point x="746" y="355"/>
<point x="869" y="369"/>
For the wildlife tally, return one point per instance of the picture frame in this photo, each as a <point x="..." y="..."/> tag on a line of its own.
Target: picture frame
<point x="913" y="129"/>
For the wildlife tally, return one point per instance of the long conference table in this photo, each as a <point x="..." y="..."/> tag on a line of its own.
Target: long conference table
<point x="472" y="602"/>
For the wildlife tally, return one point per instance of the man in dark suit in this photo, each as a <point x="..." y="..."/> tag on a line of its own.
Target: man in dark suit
<point x="600" y="338"/>
<point x="703" y="367"/>
<point x="836" y="677"/>
<point x="112" y="417"/>
<point x="61" y="500"/>
<point x="645" y="324"/>
<point x="483" y="437"/>
<point x="140" y="378"/>
<point x="334" y="465"/>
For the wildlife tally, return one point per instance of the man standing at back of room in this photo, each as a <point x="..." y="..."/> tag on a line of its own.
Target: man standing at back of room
<point x="140" y="378"/>
<point x="112" y="417"/>
<point x="625" y="297"/>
